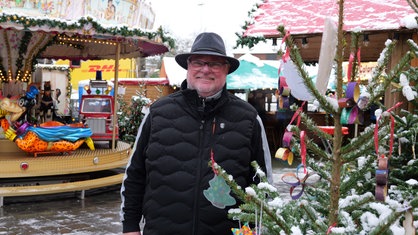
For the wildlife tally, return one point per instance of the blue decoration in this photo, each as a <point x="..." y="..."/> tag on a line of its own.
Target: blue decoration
<point x="218" y="193"/>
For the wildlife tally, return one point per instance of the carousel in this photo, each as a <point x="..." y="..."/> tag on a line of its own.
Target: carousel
<point x="54" y="156"/>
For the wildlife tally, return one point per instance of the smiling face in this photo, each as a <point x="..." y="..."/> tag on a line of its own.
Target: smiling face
<point x="206" y="74"/>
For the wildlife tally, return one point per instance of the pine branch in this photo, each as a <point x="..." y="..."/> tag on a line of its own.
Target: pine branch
<point x="319" y="225"/>
<point x="384" y="225"/>
<point x="374" y="87"/>
<point x="413" y="4"/>
<point x="356" y="202"/>
<point x="311" y="145"/>
<point x="414" y="202"/>
<point x="363" y="139"/>
<point x="355" y="176"/>
<point x="413" y="46"/>
<point x="354" y="47"/>
<point x="251" y="199"/>
<point x="320" y="195"/>
<point x="322" y="169"/>
<point x="300" y="65"/>
<point x="404" y="64"/>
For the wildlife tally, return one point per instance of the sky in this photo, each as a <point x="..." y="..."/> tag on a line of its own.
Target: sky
<point x="187" y="18"/>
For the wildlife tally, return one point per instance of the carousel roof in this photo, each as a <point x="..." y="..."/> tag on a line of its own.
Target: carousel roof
<point x="25" y="39"/>
<point x="308" y="16"/>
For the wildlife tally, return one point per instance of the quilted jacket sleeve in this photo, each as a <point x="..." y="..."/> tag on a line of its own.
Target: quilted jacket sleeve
<point x="133" y="186"/>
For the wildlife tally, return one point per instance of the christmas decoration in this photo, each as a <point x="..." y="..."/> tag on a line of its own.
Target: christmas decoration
<point x="344" y="201"/>
<point x="244" y="230"/>
<point x="218" y="193"/>
<point x="299" y="183"/>
<point x="27" y="38"/>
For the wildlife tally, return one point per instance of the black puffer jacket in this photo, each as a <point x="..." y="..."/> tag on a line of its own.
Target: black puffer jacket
<point x="169" y="171"/>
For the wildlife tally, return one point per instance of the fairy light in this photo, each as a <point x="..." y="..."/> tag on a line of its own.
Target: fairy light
<point x="85" y="40"/>
<point x="23" y="73"/>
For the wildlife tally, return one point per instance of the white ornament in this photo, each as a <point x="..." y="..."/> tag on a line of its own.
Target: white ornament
<point x="403" y="80"/>
<point x="378" y="113"/>
<point x="409" y="93"/>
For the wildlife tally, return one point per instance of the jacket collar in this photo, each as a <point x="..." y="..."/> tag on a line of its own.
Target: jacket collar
<point x="204" y="105"/>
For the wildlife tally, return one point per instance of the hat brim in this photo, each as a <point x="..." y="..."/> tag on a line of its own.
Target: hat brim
<point x="181" y="59"/>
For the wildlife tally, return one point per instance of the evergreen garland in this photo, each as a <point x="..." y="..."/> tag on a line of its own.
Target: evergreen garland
<point x="84" y="27"/>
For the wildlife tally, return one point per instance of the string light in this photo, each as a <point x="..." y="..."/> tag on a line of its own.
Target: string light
<point x="81" y="40"/>
<point x="84" y="26"/>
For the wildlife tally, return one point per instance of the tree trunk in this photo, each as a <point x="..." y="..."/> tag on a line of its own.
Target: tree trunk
<point x="337" y="142"/>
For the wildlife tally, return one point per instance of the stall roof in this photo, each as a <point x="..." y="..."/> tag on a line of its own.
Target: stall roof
<point x="307" y="16"/>
<point x="253" y="73"/>
<point x="172" y="71"/>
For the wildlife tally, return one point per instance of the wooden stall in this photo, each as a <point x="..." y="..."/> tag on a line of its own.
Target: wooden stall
<point x="151" y="88"/>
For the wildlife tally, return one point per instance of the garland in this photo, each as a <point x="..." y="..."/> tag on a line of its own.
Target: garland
<point x="23" y="47"/>
<point x="9" y="58"/>
<point x="83" y="28"/>
<point x="82" y="24"/>
<point x="2" y="70"/>
<point x="249" y="41"/>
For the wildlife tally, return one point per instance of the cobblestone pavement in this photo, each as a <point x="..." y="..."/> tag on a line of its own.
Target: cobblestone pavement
<point x="96" y="214"/>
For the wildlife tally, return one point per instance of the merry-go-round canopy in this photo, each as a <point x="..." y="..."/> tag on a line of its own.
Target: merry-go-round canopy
<point x="25" y="39"/>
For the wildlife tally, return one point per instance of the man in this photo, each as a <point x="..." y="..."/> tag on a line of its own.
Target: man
<point x="168" y="171"/>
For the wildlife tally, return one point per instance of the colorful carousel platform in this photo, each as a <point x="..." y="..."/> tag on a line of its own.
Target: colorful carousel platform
<point x="23" y="174"/>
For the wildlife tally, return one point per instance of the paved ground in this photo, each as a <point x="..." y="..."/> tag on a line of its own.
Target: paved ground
<point x="96" y="214"/>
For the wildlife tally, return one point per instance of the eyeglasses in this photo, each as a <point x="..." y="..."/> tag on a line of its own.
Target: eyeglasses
<point x="199" y="64"/>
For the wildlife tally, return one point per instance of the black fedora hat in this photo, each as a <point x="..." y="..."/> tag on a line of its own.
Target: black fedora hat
<point x="208" y="44"/>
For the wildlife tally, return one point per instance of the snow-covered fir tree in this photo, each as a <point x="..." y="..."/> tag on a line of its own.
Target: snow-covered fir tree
<point x="130" y="115"/>
<point x="362" y="185"/>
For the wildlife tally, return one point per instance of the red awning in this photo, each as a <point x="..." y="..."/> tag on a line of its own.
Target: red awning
<point x="307" y="16"/>
<point x="146" y="81"/>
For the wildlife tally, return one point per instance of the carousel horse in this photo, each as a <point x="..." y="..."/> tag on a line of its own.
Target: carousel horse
<point x="50" y="136"/>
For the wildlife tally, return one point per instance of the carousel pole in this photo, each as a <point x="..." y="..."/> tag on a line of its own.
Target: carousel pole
<point x="115" y="94"/>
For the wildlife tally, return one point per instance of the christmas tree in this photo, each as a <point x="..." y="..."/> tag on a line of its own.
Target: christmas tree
<point x="361" y="185"/>
<point x="130" y="115"/>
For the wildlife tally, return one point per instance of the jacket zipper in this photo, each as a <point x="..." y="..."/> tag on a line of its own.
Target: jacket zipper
<point x="199" y="170"/>
<point x="198" y="176"/>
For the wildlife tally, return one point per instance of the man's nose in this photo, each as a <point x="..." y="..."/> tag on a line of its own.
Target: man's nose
<point x="206" y="67"/>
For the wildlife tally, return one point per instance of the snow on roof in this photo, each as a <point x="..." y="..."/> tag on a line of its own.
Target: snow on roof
<point x="175" y="73"/>
<point x="307" y="16"/>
